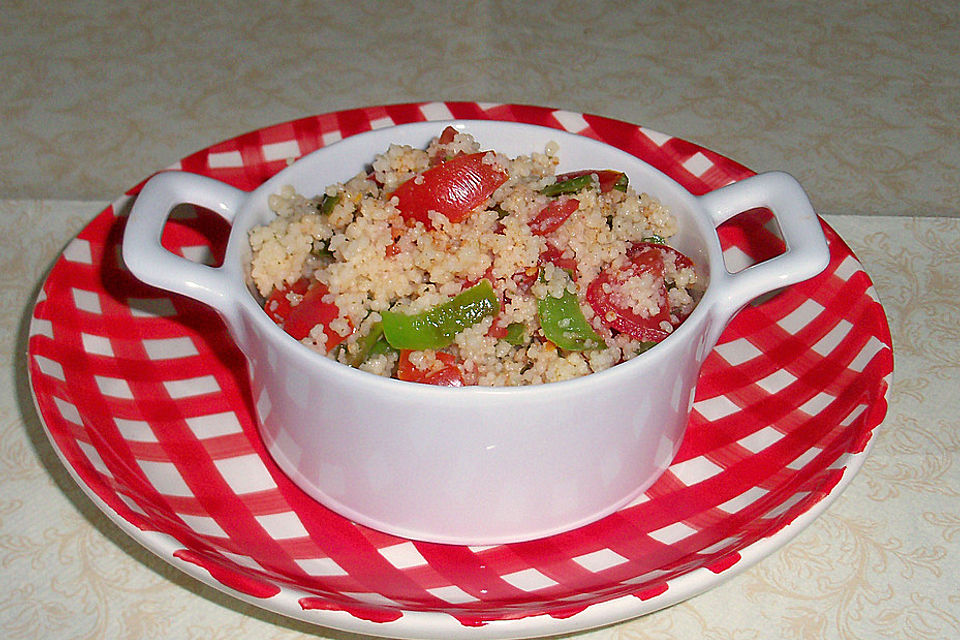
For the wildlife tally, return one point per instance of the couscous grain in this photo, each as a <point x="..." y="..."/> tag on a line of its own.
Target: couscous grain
<point x="453" y="265"/>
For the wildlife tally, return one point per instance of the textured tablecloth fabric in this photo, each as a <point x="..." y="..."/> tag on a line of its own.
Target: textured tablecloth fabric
<point x="880" y="563"/>
<point x="858" y="99"/>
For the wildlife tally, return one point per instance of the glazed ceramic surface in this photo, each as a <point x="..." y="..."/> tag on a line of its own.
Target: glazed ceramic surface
<point x="473" y="465"/>
<point x="146" y="399"/>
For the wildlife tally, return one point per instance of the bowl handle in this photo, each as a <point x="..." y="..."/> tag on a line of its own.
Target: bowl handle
<point x="806" y="254"/>
<point x="149" y="261"/>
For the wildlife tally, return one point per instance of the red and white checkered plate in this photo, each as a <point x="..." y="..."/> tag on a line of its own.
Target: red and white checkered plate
<point x="146" y="400"/>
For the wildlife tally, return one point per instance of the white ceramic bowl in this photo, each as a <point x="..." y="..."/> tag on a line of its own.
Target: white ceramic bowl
<point x="473" y="465"/>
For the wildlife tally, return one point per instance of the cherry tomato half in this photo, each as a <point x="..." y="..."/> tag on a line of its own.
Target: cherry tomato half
<point x="603" y="291"/>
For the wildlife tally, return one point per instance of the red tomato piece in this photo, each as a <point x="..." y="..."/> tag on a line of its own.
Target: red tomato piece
<point x="454" y="188"/>
<point x="607" y="178"/>
<point x="553" y="215"/>
<point x="525" y="279"/>
<point x="497" y="330"/>
<point x="278" y="305"/>
<point x="447" y="376"/>
<point x="300" y="319"/>
<point x="602" y="293"/>
<point x="445" y="138"/>
<point x="487" y="275"/>
<point x="555" y="257"/>
<point x="682" y="261"/>
<point x="448" y="135"/>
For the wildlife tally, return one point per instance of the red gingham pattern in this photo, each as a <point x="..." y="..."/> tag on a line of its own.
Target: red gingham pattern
<point x="145" y="397"/>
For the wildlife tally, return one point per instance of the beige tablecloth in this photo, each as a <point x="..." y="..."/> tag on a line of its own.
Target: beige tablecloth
<point x="880" y="563"/>
<point x="858" y="99"/>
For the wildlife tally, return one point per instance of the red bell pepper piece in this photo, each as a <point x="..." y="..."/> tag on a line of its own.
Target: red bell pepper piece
<point x="454" y="188"/>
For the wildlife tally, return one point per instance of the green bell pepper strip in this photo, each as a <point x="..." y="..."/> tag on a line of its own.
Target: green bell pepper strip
<point x="622" y="183"/>
<point x="571" y="185"/>
<point x="516" y="334"/>
<point x="437" y="327"/>
<point x="380" y="347"/>
<point x="321" y="248"/>
<point x="646" y="346"/>
<point x="370" y="345"/>
<point x="563" y="323"/>
<point x="327" y="203"/>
